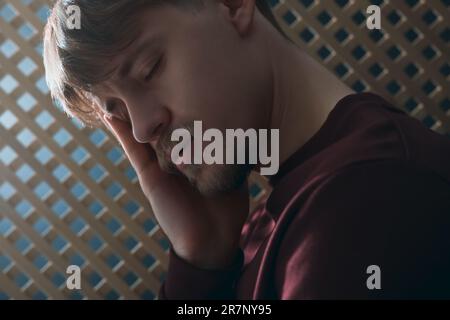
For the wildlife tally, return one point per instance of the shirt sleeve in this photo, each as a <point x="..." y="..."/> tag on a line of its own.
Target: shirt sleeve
<point x="187" y="282"/>
<point x="386" y="215"/>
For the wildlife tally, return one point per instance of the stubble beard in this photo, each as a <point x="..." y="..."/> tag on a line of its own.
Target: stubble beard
<point x="209" y="180"/>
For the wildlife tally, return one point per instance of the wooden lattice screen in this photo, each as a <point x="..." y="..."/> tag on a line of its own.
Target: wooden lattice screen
<point x="407" y="61"/>
<point x="68" y="195"/>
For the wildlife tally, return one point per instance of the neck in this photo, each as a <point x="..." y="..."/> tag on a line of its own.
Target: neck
<point x="305" y="92"/>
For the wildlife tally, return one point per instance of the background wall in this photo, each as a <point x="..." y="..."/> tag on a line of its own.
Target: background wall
<point x="407" y="61"/>
<point x="68" y="195"/>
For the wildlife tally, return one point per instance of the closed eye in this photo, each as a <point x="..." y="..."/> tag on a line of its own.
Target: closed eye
<point x="154" y="70"/>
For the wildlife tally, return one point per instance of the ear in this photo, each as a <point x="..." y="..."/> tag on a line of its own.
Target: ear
<point x="240" y="13"/>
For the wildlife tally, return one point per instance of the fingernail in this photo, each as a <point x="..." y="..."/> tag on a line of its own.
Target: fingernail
<point x="107" y="117"/>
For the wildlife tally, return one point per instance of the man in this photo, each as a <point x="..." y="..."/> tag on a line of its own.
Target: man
<point x="362" y="185"/>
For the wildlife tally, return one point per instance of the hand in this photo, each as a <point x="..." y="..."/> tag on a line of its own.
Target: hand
<point x="204" y="231"/>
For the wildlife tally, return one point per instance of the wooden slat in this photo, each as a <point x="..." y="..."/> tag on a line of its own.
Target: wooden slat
<point x="148" y="279"/>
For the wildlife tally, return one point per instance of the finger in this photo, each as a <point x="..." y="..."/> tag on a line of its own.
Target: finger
<point x="121" y="130"/>
<point x="108" y="127"/>
<point x="140" y="155"/>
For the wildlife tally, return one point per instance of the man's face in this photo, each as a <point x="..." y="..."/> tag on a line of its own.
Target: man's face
<point x="188" y="66"/>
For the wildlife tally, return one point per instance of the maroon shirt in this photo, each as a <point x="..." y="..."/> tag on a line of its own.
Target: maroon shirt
<point x="371" y="187"/>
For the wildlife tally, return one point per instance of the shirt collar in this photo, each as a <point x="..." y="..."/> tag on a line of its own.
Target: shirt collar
<point x="286" y="182"/>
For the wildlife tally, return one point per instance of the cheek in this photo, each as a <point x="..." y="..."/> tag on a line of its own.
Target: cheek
<point x="210" y="77"/>
<point x="211" y="90"/>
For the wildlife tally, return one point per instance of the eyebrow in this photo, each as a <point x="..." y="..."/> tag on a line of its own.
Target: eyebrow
<point x="125" y="67"/>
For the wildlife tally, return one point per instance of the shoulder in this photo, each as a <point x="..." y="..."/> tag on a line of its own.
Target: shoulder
<point x="384" y="213"/>
<point x="364" y="99"/>
<point x="373" y="187"/>
<point x="363" y="128"/>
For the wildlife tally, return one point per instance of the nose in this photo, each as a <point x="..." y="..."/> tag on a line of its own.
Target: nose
<point x="149" y="119"/>
<point x="149" y="126"/>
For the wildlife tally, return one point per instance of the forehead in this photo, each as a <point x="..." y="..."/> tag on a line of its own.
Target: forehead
<point x="153" y="27"/>
<point x="120" y="65"/>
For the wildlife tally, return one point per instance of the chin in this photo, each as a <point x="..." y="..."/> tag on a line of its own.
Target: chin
<point x="212" y="180"/>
